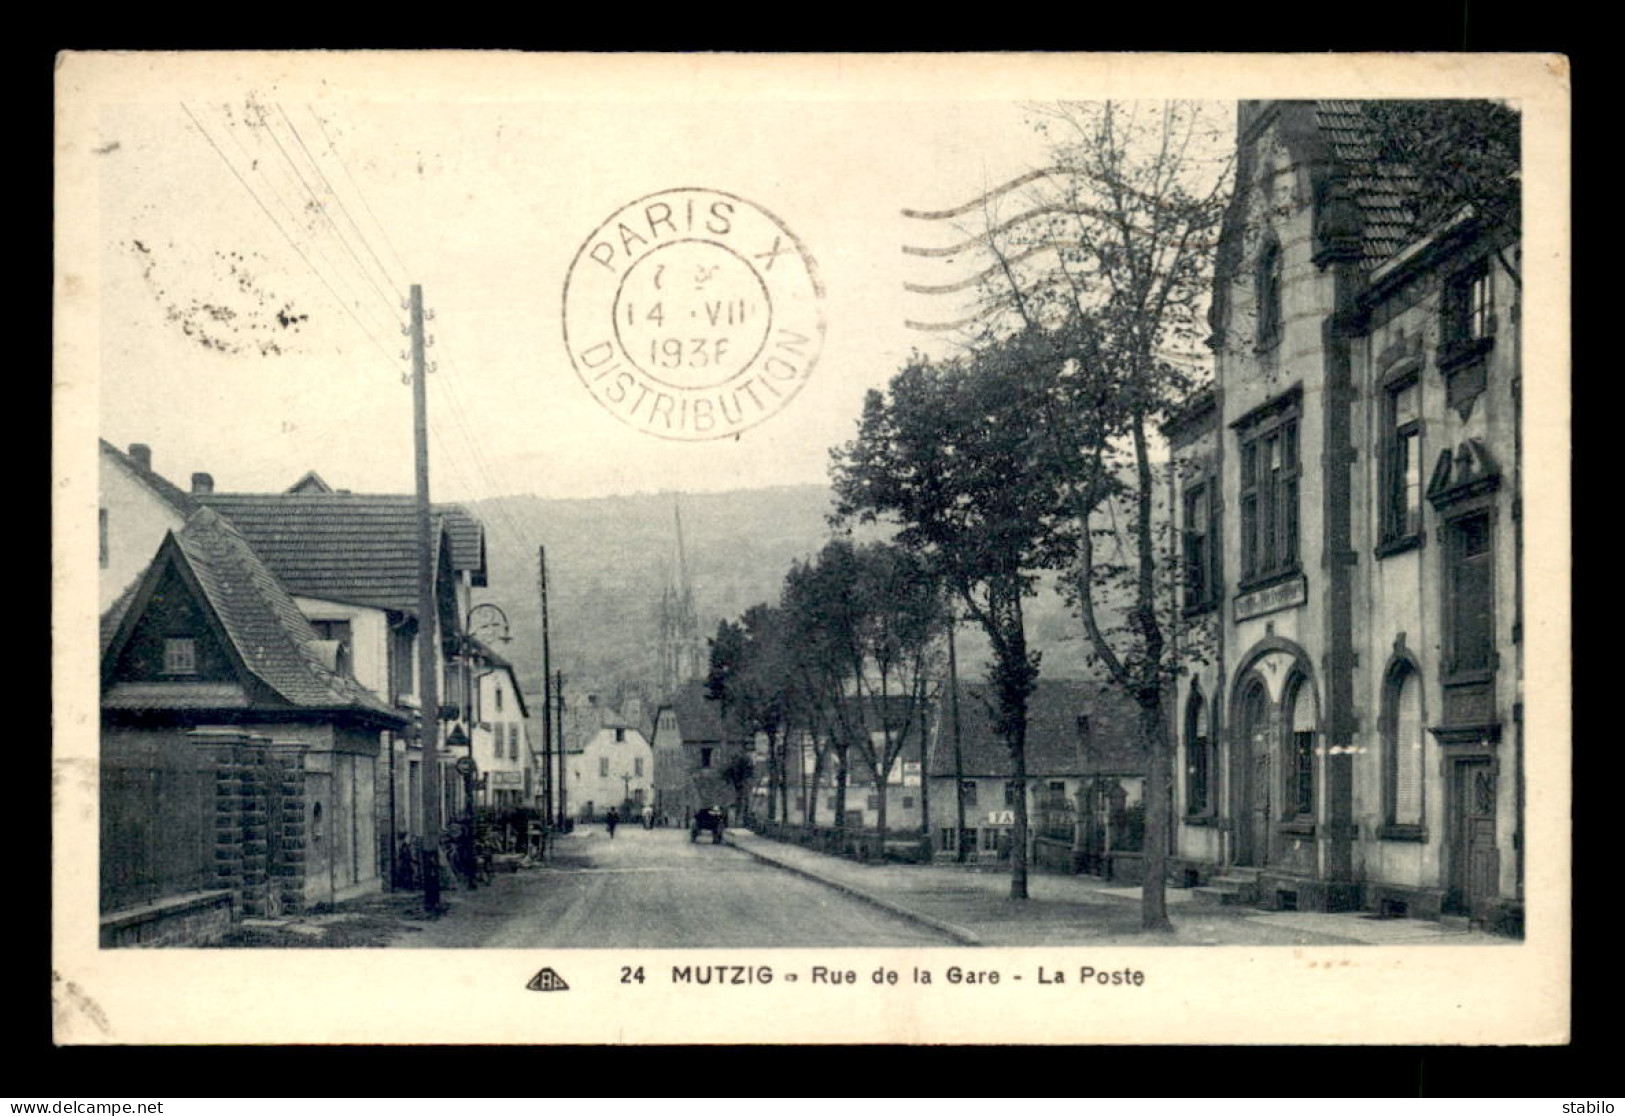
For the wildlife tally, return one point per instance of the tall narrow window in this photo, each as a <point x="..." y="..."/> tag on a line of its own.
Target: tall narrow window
<point x="1268" y="285"/>
<point x="1301" y="792"/>
<point x="1249" y="511"/>
<point x="603" y="767"/>
<point x="101" y="532"/>
<point x="402" y="644"/>
<point x="1201" y="588"/>
<point x="1406" y="748"/>
<point x="1269" y="502"/>
<point x="1472" y="605"/>
<point x="1198" y="757"/>
<point x="1402" y="462"/>
<point x="1469" y="307"/>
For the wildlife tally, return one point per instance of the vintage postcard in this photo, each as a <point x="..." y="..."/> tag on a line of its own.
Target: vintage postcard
<point x="811" y="548"/>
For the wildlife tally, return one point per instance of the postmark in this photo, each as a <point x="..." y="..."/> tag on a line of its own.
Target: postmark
<point x="693" y="314"/>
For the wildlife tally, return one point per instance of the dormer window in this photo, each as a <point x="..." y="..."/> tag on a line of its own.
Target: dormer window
<point x="180" y="655"/>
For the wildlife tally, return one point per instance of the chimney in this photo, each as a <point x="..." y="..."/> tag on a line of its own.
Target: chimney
<point x="142" y="455"/>
<point x="202" y="484"/>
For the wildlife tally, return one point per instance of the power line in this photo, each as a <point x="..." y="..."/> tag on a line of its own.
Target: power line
<point x="389" y="319"/>
<point x="272" y="218"/>
<point x="459" y="423"/>
<point x="331" y="146"/>
<point x="355" y="300"/>
<point x="322" y="209"/>
<point x="344" y="209"/>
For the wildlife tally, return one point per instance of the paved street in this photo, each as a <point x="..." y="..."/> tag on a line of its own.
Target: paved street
<point x="653" y="890"/>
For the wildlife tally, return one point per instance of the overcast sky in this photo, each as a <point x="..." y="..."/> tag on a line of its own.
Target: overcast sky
<point x="255" y="349"/>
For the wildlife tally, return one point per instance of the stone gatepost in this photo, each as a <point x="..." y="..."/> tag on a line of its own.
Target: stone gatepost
<point x="288" y="840"/>
<point x="224" y="749"/>
<point x="255" y="794"/>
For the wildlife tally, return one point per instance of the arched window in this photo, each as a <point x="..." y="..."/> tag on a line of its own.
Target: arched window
<point x="1268" y="287"/>
<point x="1406" y="746"/>
<point x="1198" y="757"/>
<point x="1300" y="789"/>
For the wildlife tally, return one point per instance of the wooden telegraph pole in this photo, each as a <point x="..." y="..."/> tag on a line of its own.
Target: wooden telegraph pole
<point x="428" y="630"/>
<point x="558" y="722"/>
<point x="547" y="698"/>
<point x="959" y="754"/>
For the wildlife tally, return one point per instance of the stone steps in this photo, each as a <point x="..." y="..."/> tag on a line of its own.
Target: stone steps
<point x="1234" y="888"/>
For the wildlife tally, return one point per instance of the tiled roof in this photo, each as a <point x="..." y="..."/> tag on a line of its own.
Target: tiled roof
<point x="172" y="494"/>
<point x="1381" y="188"/>
<point x="259" y="618"/>
<point x="699" y="718"/>
<point x="361" y="549"/>
<point x="1054" y="748"/>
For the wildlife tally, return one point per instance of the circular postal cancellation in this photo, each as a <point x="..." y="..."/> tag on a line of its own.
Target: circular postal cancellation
<point x="693" y="314"/>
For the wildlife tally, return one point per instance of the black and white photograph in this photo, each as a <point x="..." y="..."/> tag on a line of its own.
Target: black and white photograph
<point x="867" y="543"/>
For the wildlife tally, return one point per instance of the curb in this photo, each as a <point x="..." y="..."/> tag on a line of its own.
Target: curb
<point x="958" y="933"/>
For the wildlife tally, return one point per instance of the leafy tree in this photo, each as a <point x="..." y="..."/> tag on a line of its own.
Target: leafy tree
<point x="825" y="617"/>
<point x="902" y="618"/>
<point x="738" y="773"/>
<point x="1456" y="154"/>
<point x="951" y="456"/>
<point x="1111" y="327"/>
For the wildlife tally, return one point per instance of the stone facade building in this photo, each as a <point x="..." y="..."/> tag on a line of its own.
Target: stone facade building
<point x="1348" y="502"/>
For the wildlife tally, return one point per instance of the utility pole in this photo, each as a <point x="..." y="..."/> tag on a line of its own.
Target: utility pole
<point x="925" y="774"/>
<point x="428" y="630"/>
<point x="547" y="696"/>
<point x="563" y="784"/>
<point x="959" y="755"/>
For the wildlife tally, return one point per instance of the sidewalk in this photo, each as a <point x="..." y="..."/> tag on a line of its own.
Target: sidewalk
<point x="972" y="907"/>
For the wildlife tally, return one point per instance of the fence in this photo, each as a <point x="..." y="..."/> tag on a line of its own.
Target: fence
<point x="155" y="800"/>
<point x="858" y="844"/>
<point x="201" y="811"/>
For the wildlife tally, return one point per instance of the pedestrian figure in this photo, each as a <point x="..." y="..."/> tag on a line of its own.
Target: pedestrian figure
<point x="648" y="817"/>
<point x="611" y="820"/>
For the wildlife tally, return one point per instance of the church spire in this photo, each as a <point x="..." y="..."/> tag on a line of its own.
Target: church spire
<point x="681" y="651"/>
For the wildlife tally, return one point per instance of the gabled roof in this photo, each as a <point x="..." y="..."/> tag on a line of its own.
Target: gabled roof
<point x="699" y="719"/>
<point x="360" y="549"/>
<point x="172" y="494"/>
<point x="499" y="663"/>
<point x="1055" y="745"/>
<point x="257" y="619"/>
<point x="310" y="482"/>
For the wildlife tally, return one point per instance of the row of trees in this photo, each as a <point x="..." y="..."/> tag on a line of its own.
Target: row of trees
<point x="1032" y="448"/>
<point x="1029" y="450"/>
<point x="846" y="663"/>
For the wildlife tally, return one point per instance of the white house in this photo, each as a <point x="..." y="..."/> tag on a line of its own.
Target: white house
<point x="136" y="508"/>
<point x="610" y="762"/>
